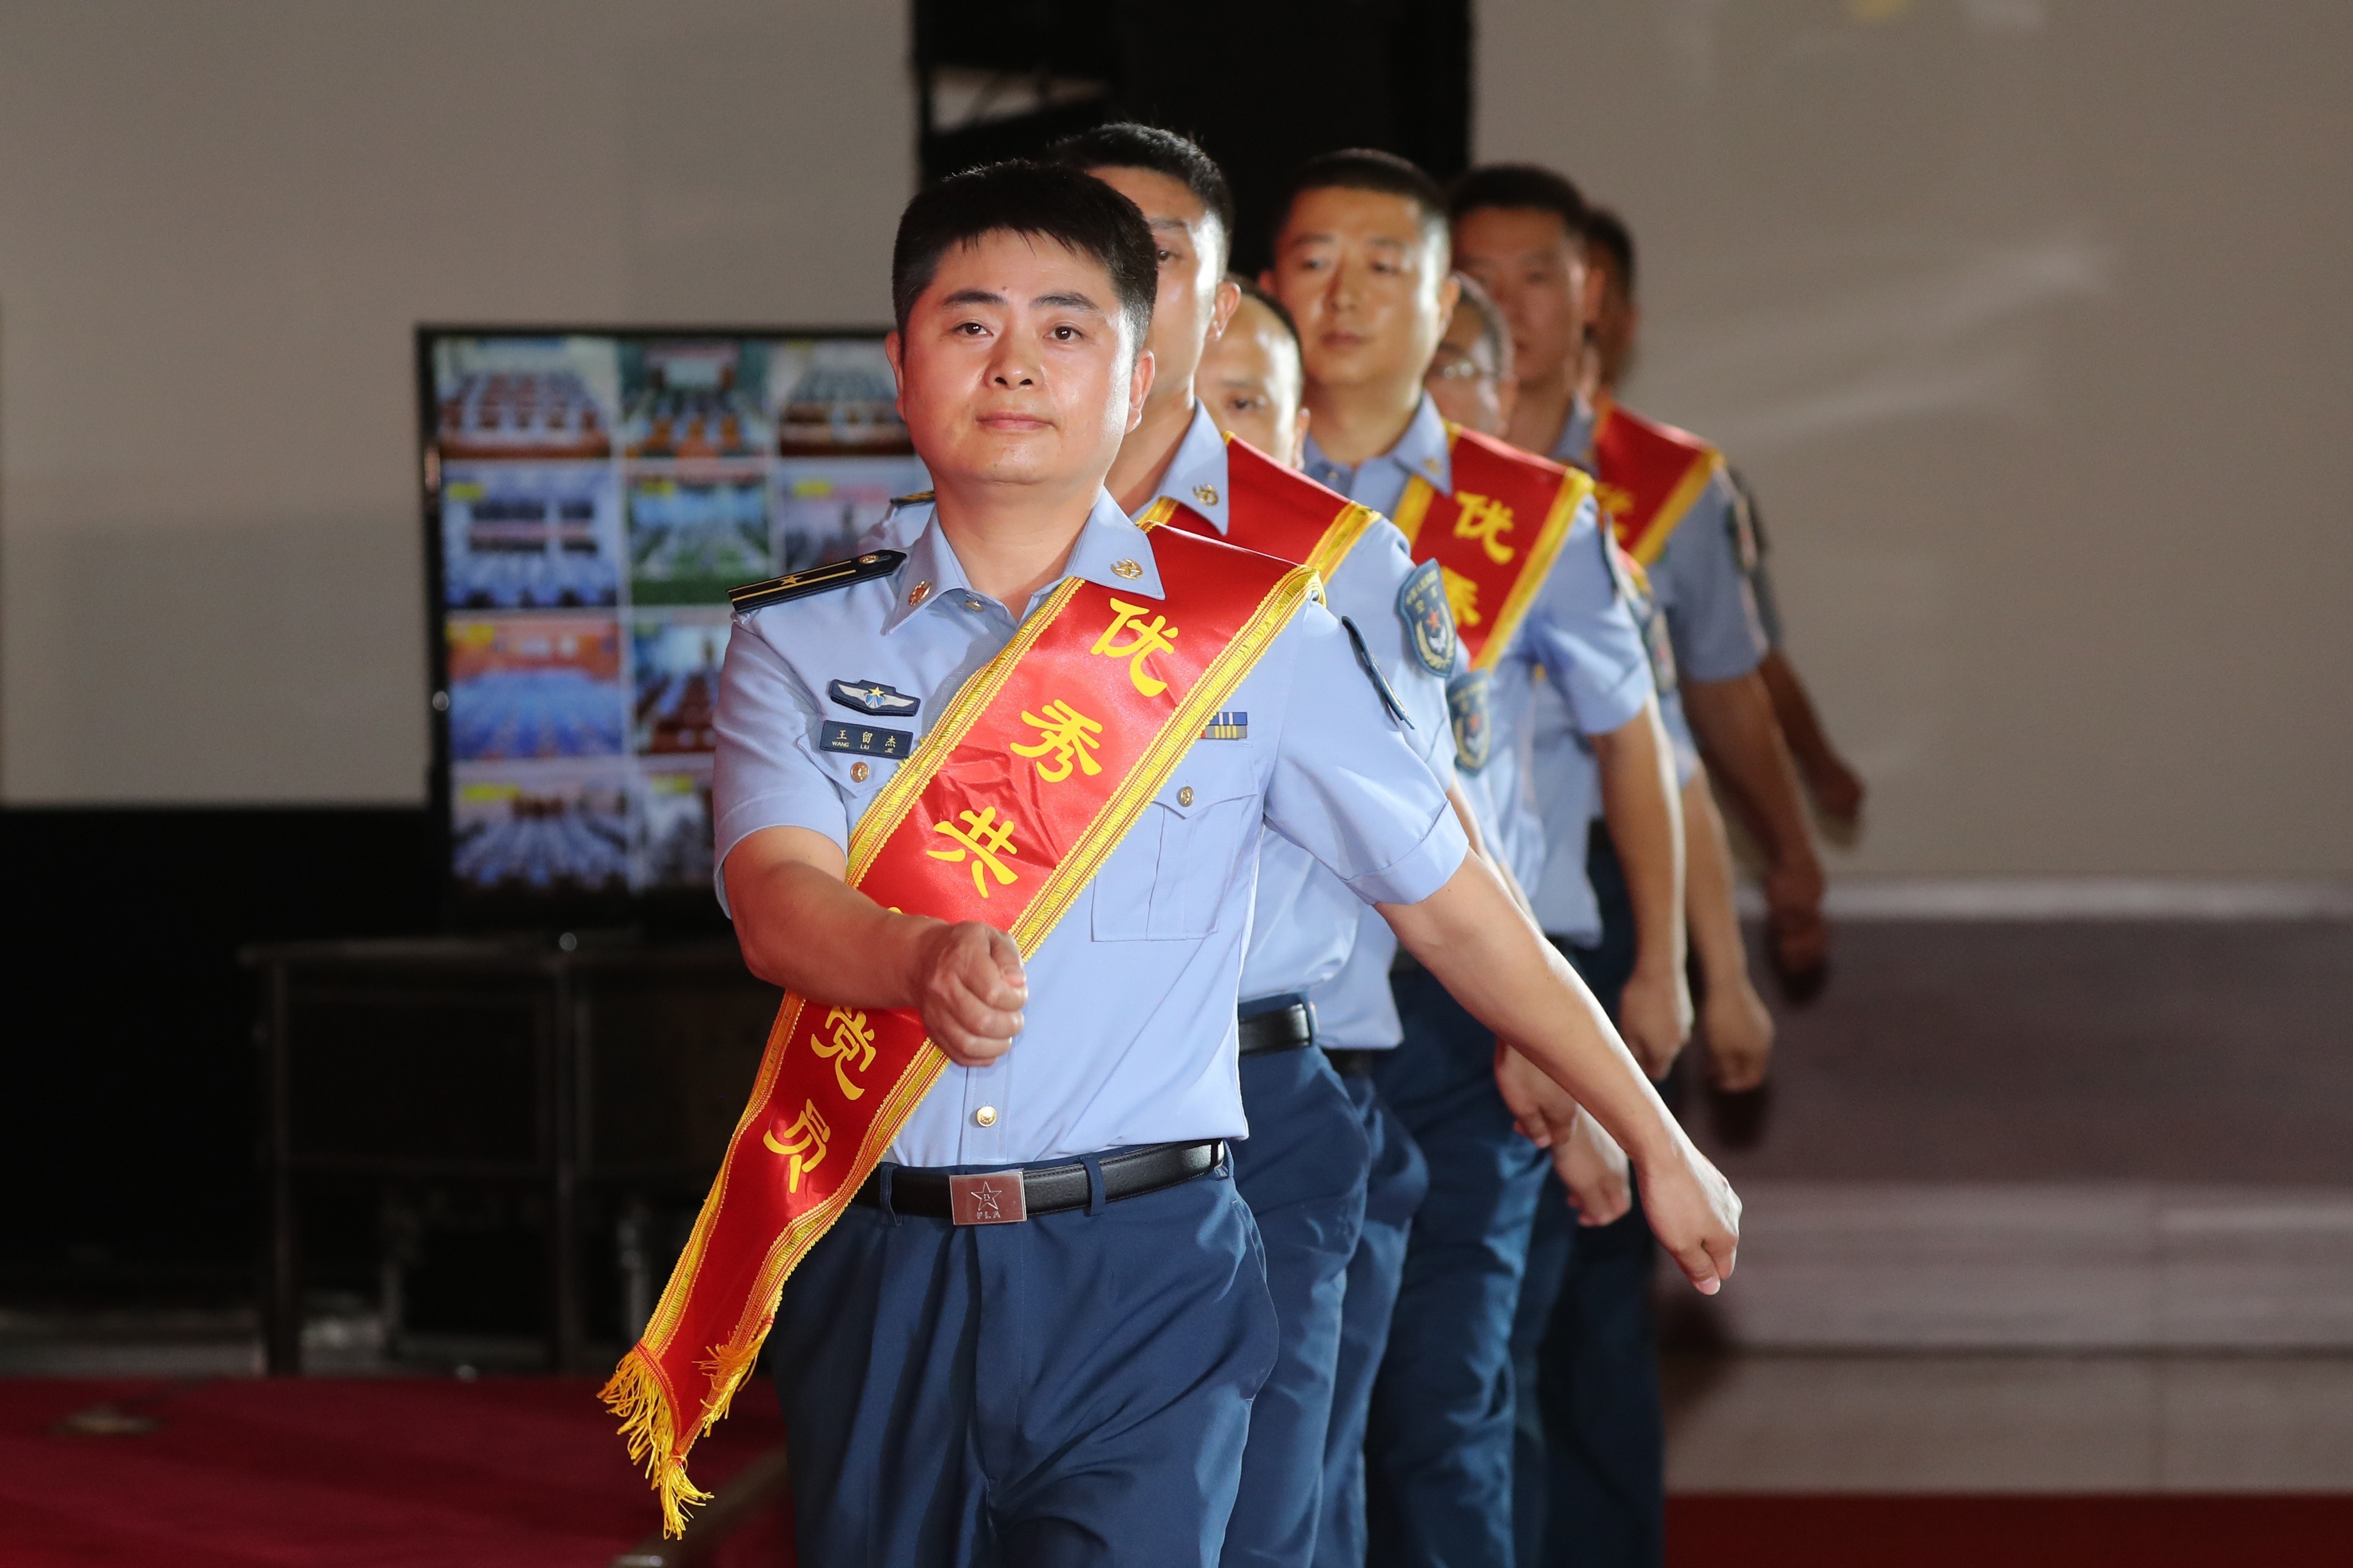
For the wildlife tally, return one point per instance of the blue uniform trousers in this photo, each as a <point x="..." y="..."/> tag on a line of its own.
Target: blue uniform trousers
<point x="1072" y="1389"/>
<point x="1302" y="1172"/>
<point x="1589" y="1484"/>
<point x="1438" y="1446"/>
<point x="1400" y="1179"/>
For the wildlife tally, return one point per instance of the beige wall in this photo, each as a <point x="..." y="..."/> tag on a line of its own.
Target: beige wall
<point x="2030" y="321"/>
<point x="2026" y="316"/>
<point x="218" y="224"/>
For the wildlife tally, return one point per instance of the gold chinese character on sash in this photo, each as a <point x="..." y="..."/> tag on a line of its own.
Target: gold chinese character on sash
<point x="853" y="1043"/>
<point x="1461" y="597"/>
<point x="1615" y="500"/>
<point x="986" y="839"/>
<point x="1065" y="737"/>
<point x="1486" y="519"/>
<point x="803" y="1144"/>
<point x="1145" y="638"/>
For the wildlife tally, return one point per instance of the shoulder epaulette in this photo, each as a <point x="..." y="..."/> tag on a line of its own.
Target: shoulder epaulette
<point x="918" y="498"/>
<point x="815" y="580"/>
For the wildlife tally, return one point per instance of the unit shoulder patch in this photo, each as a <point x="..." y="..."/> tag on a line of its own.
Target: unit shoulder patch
<point x="1467" y="707"/>
<point x="1422" y="604"/>
<point x="1633" y="582"/>
<point x="815" y="580"/>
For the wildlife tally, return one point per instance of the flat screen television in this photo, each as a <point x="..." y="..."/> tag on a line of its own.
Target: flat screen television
<point x="589" y="498"/>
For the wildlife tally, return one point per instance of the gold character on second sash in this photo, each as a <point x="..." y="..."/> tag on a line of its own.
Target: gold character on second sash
<point x="1486" y="519"/>
<point x="985" y="838"/>
<point x="1066" y="737"/>
<point x="852" y="1042"/>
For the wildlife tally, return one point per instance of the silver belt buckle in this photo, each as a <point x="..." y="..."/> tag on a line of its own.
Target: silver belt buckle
<point x="992" y="1197"/>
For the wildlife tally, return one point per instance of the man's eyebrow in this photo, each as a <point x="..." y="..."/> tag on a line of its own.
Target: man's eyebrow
<point x="1067" y="303"/>
<point x="974" y="297"/>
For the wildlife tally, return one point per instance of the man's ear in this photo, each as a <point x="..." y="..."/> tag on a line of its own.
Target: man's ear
<point x="1298" y="438"/>
<point x="1450" y="295"/>
<point x="1227" y="300"/>
<point x="892" y="347"/>
<point x="1507" y="397"/>
<point x="1589" y="296"/>
<point x="1139" y="386"/>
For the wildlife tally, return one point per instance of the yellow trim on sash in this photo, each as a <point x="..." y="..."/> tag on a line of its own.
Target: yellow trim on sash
<point x="1573" y="490"/>
<point x="1678" y="501"/>
<point x="1413" y="507"/>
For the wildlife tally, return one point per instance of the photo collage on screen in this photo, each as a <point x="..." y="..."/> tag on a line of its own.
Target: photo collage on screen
<point x="599" y="497"/>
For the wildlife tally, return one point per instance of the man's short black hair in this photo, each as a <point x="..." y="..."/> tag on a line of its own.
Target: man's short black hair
<point x="1041" y="200"/>
<point x="1607" y="232"/>
<point x="1280" y="311"/>
<point x="1124" y="144"/>
<point x="1367" y="169"/>
<point x="1520" y="185"/>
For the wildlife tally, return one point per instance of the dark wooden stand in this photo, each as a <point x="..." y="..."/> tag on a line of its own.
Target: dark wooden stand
<point x="519" y="1067"/>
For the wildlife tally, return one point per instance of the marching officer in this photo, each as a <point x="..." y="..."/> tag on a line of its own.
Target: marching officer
<point x="976" y="802"/>
<point x="1305" y="1167"/>
<point x="1520" y="231"/>
<point x="1361" y="262"/>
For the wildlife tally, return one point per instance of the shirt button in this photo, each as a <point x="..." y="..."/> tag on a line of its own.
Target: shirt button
<point x="1185" y="795"/>
<point x="984" y="1117"/>
<point x="858" y="771"/>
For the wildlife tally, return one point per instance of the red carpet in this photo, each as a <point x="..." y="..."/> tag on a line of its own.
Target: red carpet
<point x="2141" y="1532"/>
<point x="313" y="1473"/>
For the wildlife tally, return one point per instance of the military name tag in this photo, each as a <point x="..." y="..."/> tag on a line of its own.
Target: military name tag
<point x="1422" y="604"/>
<point x="1466" y="705"/>
<point x="873" y="696"/>
<point x="865" y="740"/>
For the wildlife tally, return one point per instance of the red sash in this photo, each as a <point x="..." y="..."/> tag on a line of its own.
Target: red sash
<point x="1494" y="538"/>
<point x="1034" y="771"/>
<point x="1276" y="512"/>
<point x="1648" y="476"/>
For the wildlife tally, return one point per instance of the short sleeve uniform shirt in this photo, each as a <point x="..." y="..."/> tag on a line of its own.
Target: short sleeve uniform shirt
<point x="1129" y="1032"/>
<point x="1306" y="924"/>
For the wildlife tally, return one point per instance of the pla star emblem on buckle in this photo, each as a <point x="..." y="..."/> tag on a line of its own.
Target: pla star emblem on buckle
<point x="993" y="1197"/>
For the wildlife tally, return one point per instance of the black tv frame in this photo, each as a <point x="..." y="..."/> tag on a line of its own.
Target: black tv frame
<point x="657" y="912"/>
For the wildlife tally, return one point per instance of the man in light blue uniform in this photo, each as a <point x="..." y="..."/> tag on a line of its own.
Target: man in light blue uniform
<point x="1361" y="262"/>
<point x="1590" y="1469"/>
<point x="1303" y="1170"/>
<point x="1072" y="1386"/>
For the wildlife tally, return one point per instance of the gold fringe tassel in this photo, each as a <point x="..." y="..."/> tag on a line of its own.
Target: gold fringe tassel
<point x="728" y="1366"/>
<point x="635" y="1394"/>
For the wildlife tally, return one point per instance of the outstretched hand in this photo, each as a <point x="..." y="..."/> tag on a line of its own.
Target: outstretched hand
<point x="1694" y="1214"/>
<point x="971" y="990"/>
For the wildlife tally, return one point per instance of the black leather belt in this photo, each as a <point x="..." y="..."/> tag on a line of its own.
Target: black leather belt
<point x="1001" y="1197"/>
<point x="1276" y="1024"/>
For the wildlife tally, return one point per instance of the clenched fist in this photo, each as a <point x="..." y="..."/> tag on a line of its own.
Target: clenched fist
<point x="969" y="987"/>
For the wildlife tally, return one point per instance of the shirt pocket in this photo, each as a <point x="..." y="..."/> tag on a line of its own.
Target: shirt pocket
<point x="858" y="779"/>
<point x="1168" y="878"/>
